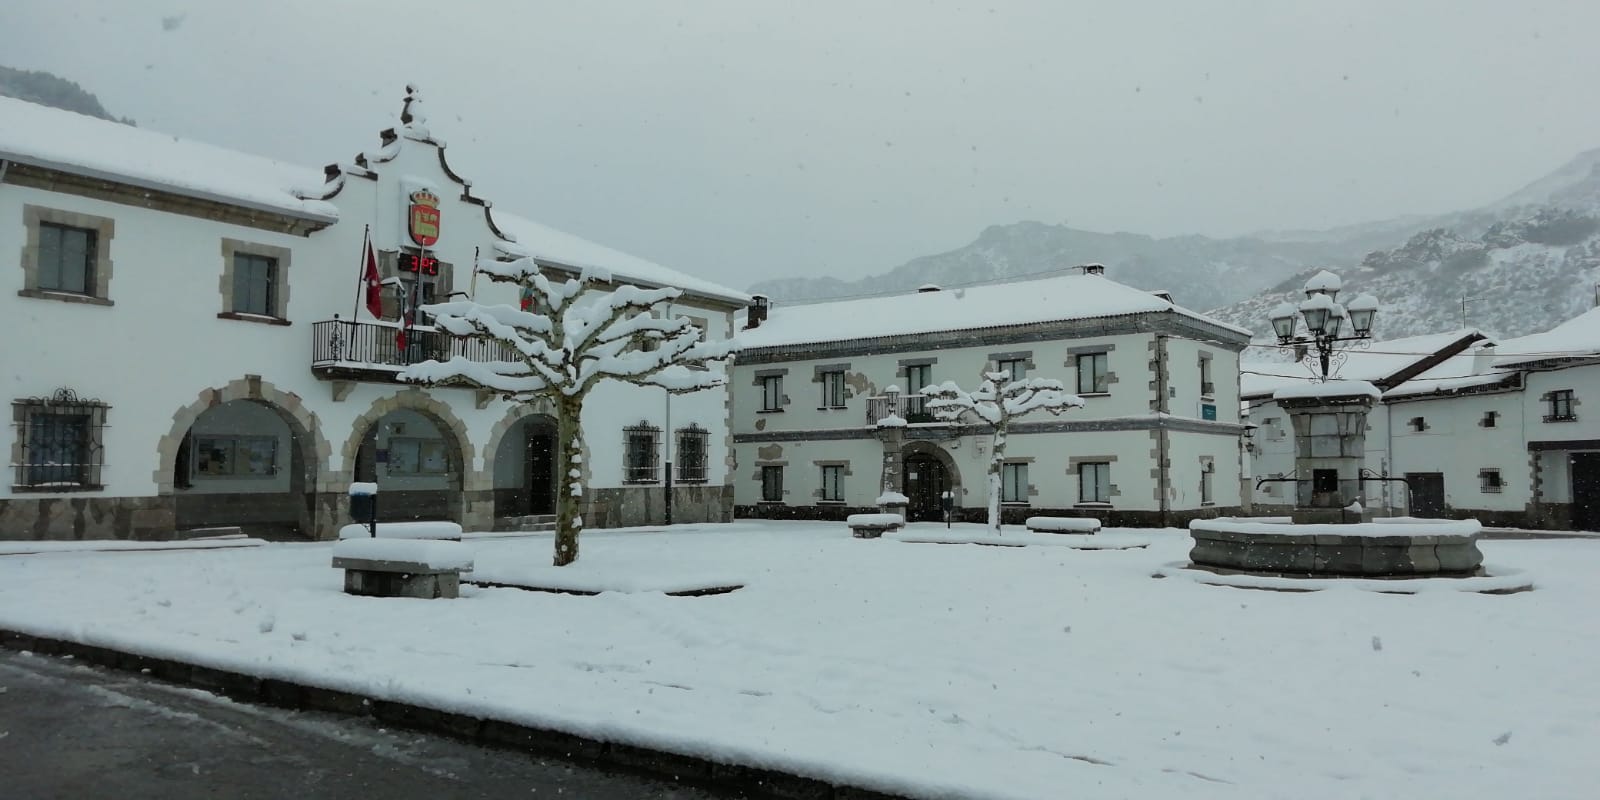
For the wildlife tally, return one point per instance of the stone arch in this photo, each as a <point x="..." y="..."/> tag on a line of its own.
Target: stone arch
<point x="462" y="456"/>
<point x="515" y="414"/>
<point x="307" y="429"/>
<point x="926" y="449"/>
<point x="518" y="496"/>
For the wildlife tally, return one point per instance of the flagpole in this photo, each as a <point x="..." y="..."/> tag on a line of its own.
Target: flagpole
<point x="361" y="281"/>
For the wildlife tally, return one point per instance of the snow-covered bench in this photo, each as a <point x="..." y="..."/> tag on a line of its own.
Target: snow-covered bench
<point x="872" y="526"/>
<point x="425" y="568"/>
<point x="1063" y="524"/>
<point x="448" y="531"/>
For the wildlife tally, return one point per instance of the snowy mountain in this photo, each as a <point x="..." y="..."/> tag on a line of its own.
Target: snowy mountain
<point x="1513" y="267"/>
<point x="1201" y="272"/>
<point x="51" y="90"/>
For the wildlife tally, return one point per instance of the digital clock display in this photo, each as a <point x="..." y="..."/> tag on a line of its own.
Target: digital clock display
<point x="424" y="265"/>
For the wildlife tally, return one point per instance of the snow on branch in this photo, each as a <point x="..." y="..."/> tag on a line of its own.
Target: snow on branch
<point x="998" y="398"/>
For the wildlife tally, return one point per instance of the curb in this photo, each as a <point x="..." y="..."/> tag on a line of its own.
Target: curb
<point x="753" y="782"/>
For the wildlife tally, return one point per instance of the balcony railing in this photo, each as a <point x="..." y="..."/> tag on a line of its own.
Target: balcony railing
<point x="371" y="350"/>
<point x="913" y="408"/>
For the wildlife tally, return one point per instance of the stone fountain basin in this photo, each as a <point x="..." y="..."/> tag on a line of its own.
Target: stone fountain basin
<point x="1369" y="550"/>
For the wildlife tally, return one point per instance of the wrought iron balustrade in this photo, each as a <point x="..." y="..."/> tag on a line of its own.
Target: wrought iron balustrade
<point x="350" y="348"/>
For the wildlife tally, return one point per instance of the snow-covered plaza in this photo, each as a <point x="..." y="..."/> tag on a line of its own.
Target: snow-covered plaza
<point x="935" y="670"/>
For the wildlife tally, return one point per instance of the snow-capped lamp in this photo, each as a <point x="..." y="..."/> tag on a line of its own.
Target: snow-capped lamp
<point x="1324" y="282"/>
<point x="1283" y="322"/>
<point x="1316" y="310"/>
<point x="1362" y="310"/>
<point x="1325" y="320"/>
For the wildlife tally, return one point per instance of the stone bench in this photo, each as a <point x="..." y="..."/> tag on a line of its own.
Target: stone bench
<point x="420" y="568"/>
<point x="1063" y="524"/>
<point x="428" y="529"/>
<point x="872" y="526"/>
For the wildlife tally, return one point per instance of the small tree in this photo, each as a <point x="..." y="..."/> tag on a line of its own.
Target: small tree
<point x="997" y="401"/>
<point x="576" y="335"/>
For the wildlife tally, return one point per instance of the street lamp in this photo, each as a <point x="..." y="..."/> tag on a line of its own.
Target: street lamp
<point x="1325" y="321"/>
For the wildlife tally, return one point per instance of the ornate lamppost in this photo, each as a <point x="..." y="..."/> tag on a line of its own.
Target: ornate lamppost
<point x="1325" y="320"/>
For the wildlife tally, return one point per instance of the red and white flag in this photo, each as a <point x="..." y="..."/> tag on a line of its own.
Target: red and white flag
<point x="371" y="280"/>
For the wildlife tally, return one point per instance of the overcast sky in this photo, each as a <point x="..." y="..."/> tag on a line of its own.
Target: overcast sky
<point x="739" y="139"/>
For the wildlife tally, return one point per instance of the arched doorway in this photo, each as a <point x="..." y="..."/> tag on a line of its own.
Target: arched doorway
<point x="929" y="473"/>
<point x="524" y="468"/>
<point x="246" y="455"/>
<point x="417" y="461"/>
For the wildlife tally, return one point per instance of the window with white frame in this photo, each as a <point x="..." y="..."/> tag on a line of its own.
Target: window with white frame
<point x="833" y="483"/>
<point x="833" y="389"/>
<point x="1093" y="375"/>
<point x="1094" y="482"/>
<point x="772" y="393"/>
<point x="1014" y="483"/>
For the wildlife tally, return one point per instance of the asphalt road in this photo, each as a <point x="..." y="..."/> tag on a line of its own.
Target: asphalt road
<point x="76" y="731"/>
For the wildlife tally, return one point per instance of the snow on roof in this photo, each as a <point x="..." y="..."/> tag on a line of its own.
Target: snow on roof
<point x="545" y="243"/>
<point x="1327" y="389"/>
<point x="84" y="145"/>
<point x="1578" y="337"/>
<point x="1062" y="297"/>
<point x="1452" y="374"/>
<point x="1377" y="363"/>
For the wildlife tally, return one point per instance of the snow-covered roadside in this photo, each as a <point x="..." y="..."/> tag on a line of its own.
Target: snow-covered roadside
<point x="33" y="547"/>
<point x="974" y="672"/>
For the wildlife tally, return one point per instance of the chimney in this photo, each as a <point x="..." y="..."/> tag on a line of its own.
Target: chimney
<point x="1483" y="359"/>
<point x="757" y="313"/>
<point x="1093" y="269"/>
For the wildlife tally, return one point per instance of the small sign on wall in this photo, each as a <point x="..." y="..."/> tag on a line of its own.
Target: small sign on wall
<point x="1208" y="411"/>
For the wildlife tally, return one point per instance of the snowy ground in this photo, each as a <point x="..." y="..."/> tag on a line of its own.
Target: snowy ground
<point x="948" y="670"/>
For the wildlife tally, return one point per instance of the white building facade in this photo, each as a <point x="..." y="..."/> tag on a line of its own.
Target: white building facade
<point x="1157" y="442"/>
<point x="200" y="354"/>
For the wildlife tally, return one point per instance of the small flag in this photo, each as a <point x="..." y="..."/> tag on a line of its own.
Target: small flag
<point x="372" y="281"/>
<point x="527" y="298"/>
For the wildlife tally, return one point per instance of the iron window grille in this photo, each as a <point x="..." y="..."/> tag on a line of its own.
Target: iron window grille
<point x="1489" y="481"/>
<point x="1560" y="406"/>
<point x="1013" y="483"/>
<point x="693" y="443"/>
<point x="255" y="284"/>
<point x="833" y="390"/>
<point x="61" y="442"/>
<point x="772" y="484"/>
<point x="1093" y="376"/>
<point x="66" y="258"/>
<point x="642" y="445"/>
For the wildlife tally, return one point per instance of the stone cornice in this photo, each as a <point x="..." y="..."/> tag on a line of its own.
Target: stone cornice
<point x="1175" y="424"/>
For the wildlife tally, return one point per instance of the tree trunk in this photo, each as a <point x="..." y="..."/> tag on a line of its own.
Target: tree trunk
<point x="996" y="459"/>
<point x="570" y="499"/>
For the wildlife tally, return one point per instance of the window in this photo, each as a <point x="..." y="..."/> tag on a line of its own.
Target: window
<point x="66" y="258"/>
<point x="772" y="393"/>
<point x="1017" y="368"/>
<point x="1013" y="483"/>
<point x="918" y="377"/>
<point x="1094" y="482"/>
<point x="691" y="455"/>
<point x="1207" y="388"/>
<point x="833" y="389"/>
<point x="414" y="456"/>
<point x="255" y="285"/>
<point x="1418" y="424"/>
<point x="772" y="484"/>
<point x="236" y="456"/>
<point x="1560" y="406"/>
<point x="642" y="442"/>
<point x="832" y="483"/>
<point x="1489" y="481"/>
<point x="59" y="445"/>
<point x="1093" y="378"/>
<point x="1207" y="469"/>
<point x="1489" y="419"/>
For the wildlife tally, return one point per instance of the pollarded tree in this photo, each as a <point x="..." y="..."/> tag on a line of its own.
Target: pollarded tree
<point x="997" y="401"/>
<point x="577" y="335"/>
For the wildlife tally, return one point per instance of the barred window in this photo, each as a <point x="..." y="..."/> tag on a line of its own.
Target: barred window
<point x="642" y="444"/>
<point x="693" y="442"/>
<point x="1559" y="406"/>
<point x="1489" y="481"/>
<point x="59" y="442"/>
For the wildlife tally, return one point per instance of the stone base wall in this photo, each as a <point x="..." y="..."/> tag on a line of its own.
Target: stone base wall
<point x="1111" y="518"/>
<point x="87" y="517"/>
<point x="832" y="513"/>
<point x="631" y="506"/>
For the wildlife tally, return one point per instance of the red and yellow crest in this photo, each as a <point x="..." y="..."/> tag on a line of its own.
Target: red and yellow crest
<point x="423" y="217"/>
